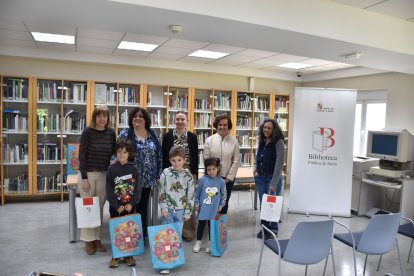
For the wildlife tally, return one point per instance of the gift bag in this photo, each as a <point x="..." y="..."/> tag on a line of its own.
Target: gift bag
<point x="218" y="235"/>
<point x="72" y="158"/>
<point x="88" y="212"/>
<point x="271" y="207"/>
<point x="166" y="246"/>
<point x="126" y="236"/>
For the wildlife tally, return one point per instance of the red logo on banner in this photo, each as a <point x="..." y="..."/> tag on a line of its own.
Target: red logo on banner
<point x="88" y="201"/>
<point x="271" y="199"/>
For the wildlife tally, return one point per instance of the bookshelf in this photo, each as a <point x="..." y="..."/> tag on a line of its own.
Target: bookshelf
<point x="281" y="115"/>
<point x="244" y="127"/>
<point x="177" y="101"/>
<point x="129" y="97"/>
<point x="202" y="119"/>
<point x="106" y="93"/>
<point x="156" y="106"/>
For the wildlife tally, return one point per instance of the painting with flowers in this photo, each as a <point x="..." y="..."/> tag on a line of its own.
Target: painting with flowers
<point x="126" y="236"/>
<point x="218" y="235"/>
<point x="166" y="246"/>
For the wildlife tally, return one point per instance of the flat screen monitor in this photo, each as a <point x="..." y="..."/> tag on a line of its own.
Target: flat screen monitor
<point x="390" y="145"/>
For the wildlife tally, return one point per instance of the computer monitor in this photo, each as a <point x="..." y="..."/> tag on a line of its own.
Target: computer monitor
<point x="391" y="145"/>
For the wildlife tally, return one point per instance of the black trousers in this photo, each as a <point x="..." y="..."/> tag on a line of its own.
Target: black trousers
<point x="142" y="208"/>
<point x="200" y="229"/>
<point x="229" y="187"/>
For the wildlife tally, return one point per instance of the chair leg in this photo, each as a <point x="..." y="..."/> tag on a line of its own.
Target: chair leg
<point x="409" y="252"/>
<point x="399" y="257"/>
<point x="379" y="262"/>
<point x="353" y="254"/>
<point x="261" y="254"/>
<point x="365" y="264"/>
<point x="306" y="270"/>
<point x="324" y="267"/>
<point x="333" y="261"/>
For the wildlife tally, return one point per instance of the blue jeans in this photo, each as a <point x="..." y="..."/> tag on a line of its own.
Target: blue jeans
<point x="174" y="216"/>
<point x="262" y="184"/>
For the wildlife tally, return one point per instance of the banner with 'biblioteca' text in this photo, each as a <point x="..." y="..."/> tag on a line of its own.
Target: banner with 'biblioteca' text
<point x="322" y="149"/>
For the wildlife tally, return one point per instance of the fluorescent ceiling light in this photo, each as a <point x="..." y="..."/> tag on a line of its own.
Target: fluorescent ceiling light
<point x="208" y="54"/>
<point x="56" y="38"/>
<point x="135" y="46"/>
<point x="294" y="65"/>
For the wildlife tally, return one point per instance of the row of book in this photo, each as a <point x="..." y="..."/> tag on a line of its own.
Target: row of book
<point x="282" y="105"/>
<point x="13" y="120"/>
<point x="202" y="104"/>
<point x="282" y="123"/>
<point x="202" y="136"/>
<point x="177" y="102"/>
<point x="261" y="104"/>
<point x="243" y="121"/>
<point x="244" y="140"/>
<point x="47" y="184"/>
<point x="16" y="185"/>
<point x="104" y="94"/>
<point x="246" y="159"/>
<point x="52" y="91"/>
<point x="157" y="117"/>
<point x="244" y="101"/>
<point x="222" y="101"/>
<point x="49" y="152"/>
<point x="128" y="96"/>
<point x="15" y="89"/>
<point x="202" y="119"/>
<point x="15" y="153"/>
<point x="259" y="119"/>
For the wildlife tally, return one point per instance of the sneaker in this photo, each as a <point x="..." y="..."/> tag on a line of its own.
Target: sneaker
<point x="208" y="249"/>
<point x="90" y="248"/>
<point x="114" y="263"/>
<point x="197" y="246"/>
<point x="130" y="261"/>
<point x="99" y="246"/>
<point x="260" y="235"/>
<point x="165" y="271"/>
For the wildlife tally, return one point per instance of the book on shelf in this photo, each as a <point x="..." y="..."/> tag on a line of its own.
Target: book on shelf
<point x="17" y="185"/>
<point x="48" y="152"/>
<point x="15" y="153"/>
<point x="78" y="93"/>
<point x="14" y="120"/>
<point x="15" y="89"/>
<point x="101" y="93"/>
<point x="244" y="101"/>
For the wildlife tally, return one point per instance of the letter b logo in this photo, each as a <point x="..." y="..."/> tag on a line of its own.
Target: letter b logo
<point x="328" y="133"/>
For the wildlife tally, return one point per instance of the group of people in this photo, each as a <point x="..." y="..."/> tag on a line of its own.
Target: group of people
<point x="124" y="170"/>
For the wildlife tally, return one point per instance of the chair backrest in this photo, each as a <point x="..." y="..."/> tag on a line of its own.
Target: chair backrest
<point x="310" y="242"/>
<point x="379" y="236"/>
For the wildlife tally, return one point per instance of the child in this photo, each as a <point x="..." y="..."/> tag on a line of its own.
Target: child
<point x="176" y="191"/>
<point x="123" y="191"/>
<point x="209" y="199"/>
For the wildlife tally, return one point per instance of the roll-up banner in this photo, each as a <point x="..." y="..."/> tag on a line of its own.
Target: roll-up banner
<point x="322" y="149"/>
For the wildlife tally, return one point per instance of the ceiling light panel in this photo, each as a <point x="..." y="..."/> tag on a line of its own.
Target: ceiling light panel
<point x="208" y="54"/>
<point x="135" y="46"/>
<point x="288" y="58"/>
<point x="294" y="65"/>
<point x="158" y="40"/>
<point x="54" y="38"/>
<point x="223" y="48"/>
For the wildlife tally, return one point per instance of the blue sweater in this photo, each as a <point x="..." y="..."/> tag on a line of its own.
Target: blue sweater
<point x="210" y="195"/>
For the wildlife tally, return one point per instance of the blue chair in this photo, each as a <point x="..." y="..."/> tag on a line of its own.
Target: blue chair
<point x="408" y="231"/>
<point x="378" y="238"/>
<point x="310" y="243"/>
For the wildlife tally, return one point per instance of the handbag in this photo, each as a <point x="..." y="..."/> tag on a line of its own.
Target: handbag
<point x="166" y="246"/>
<point x="271" y="207"/>
<point x="126" y="236"/>
<point x="218" y="235"/>
<point x="88" y="213"/>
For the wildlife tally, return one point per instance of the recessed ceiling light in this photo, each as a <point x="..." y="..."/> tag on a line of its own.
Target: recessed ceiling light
<point x="126" y="45"/>
<point x="294" y="65"/>
<point x="208" y="54"/>
<point x="55" y="38"/>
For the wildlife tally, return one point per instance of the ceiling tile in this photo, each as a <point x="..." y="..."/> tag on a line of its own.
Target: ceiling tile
<point x="196" y="59"/>
<point x="180" y="43"/>
<point x="314" y="61"/>
<point x="256" y="53"/>
<point x="158" y="40"/>
<point x="12" y="25"/>
<point x="18" y="43"/>
<point x="82" y="41"/>
<point x="287" y="58"/>
<point x="15" y="35"/>
<point x="131" y="53"/>
<point x="164" y="56"/>
<point x="358" y="3"/>
<point x="56" y="46"/>
<point x="232" y="60"/>
<point x="268" y="62"/>
<point x="222" y="48"/>
<point x="51" y="28"/>
<point x="253" y="65"/>
<point x="173" y="50"/>
<point x="91" y="33"/>
<point x="90" y="49"/>
<point x="403" y="9"/>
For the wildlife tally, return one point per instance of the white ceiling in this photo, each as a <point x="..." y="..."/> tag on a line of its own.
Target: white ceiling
<point x="255" y="49"/>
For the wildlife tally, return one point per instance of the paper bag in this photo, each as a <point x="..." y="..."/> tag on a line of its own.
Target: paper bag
<point x="271" y="207"/>
<point x="88" y="212"/>
<point x="218" y="235"/>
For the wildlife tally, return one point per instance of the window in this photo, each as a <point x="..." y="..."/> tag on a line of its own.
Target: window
<point x="370" y="114"/>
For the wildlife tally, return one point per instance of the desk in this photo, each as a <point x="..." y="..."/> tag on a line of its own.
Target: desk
<point x="371" y="194"/>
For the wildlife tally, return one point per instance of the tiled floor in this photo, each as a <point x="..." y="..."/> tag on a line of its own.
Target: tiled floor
<point x="34" y="236"/>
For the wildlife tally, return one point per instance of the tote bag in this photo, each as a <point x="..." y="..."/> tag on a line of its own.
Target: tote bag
<point x="88" y="213"/>
<point x="126" y="236"/>
<point x="271" y="207"/>
<point x="72" y="158"/>
<point x="166" y="246"/>
<point x="218" y="235"/>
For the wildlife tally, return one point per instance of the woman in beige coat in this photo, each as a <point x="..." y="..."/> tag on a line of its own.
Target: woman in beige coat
<point x="225" y="147"/>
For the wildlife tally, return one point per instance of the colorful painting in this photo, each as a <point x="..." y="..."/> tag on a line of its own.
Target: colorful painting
<point x="72" y="158"/>
<point x="166" y="246"/>
<point x="126" y="236"/>
<point x="218" y="236"/>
